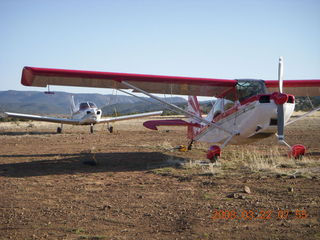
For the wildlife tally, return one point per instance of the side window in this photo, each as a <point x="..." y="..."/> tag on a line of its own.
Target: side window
<point x="228" y="104"/>
<point x="92" y="105"/>
<point x="250" y="87"/>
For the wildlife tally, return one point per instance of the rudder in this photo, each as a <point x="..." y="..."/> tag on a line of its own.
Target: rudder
<point x="194" y="108"/>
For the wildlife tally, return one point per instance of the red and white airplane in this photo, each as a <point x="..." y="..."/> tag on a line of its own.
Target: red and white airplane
<point x="86" y="113"/>
<point x="246" y="109"/>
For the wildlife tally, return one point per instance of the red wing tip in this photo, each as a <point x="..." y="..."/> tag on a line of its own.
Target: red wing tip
<point x="27" y="76"/>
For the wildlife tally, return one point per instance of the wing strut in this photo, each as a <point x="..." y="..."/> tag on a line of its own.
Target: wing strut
<point x="303" y="116"/>
<point x="174" y="107"/>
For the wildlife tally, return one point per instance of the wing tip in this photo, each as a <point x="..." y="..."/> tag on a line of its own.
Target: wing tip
<point x="27" y="76"/>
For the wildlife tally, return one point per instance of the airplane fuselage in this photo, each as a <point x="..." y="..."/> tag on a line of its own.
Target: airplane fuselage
<point x="255" y="118"/>
<point x="89" y="116"/>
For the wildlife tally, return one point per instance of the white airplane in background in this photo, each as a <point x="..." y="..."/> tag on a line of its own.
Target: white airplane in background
<point x="247" y="109"/>
<point x="87" y="113"/>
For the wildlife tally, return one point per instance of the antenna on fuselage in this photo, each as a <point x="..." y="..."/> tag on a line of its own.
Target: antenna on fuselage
<point x="48" y="92"/>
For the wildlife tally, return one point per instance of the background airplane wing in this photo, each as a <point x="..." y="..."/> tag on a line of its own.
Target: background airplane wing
<point x="41" y="118"/>
<point x="297" y="88"/>
<point x="42" y="77"/>
<point x="133" y="116"/>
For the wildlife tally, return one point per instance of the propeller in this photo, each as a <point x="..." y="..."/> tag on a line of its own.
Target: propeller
<point x="280" y="114"/>
<point x="280" y="74"/>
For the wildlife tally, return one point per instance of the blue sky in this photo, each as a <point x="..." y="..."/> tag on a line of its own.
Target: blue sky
<point x="218" y="39"/>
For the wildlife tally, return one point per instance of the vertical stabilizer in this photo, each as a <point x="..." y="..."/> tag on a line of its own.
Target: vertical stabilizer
<point x="194" y="108"/>
<point x="72" y="105"/>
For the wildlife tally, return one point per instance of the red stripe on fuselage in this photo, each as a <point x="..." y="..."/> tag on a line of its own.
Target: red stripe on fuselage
<point x="236" y="108"/>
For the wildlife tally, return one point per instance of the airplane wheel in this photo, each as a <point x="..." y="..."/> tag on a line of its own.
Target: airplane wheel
<point x="213" y="153"/>
<point x="59" y="130"/>
<point x="297" y="151"/>
<point x="110" y="129"/>
<point x="214" y="159"/>
<point x="91" y="129"/>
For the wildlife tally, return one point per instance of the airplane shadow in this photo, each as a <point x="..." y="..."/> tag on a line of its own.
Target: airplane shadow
<point x="74" y="163"/>
<point x="25" y="133"/>
<point x="313" y="154"/>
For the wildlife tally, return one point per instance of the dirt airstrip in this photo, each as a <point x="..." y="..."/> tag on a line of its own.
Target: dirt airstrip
<point x="136" y="184"/>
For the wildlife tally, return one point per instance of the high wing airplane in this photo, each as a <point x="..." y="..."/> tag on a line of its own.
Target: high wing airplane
<point x="87" y="113"/>
<point x="246" y="109"/>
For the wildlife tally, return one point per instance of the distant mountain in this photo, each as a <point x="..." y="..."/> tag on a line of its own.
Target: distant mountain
<point x="33" y="102"/>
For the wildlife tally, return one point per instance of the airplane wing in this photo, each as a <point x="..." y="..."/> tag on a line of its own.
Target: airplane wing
<point x="41" y="118"/>
<point x="297" y="88"/>
<point x="127" y="117"/>
<point x="42" y="77"/>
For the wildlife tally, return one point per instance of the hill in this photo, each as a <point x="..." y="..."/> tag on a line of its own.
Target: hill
<point x="59" y="103"/>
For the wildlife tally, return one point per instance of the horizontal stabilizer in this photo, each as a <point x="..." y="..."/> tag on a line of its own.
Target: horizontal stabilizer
<point x="175" y="122"/>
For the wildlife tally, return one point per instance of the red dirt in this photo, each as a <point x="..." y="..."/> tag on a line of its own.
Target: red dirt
<point x="136" y="192"/>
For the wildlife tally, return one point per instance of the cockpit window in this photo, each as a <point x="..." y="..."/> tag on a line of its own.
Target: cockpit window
<point x="92" y="105"/>
<point x="83" y="106"/>
<point x="250" y="87"/>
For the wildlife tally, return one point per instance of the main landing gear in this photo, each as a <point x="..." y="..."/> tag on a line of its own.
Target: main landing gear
<point x="59" y="129"/>
<point x="297" y="151"/>
<point x="214" y="153"/>
<point x="110" y="129"/>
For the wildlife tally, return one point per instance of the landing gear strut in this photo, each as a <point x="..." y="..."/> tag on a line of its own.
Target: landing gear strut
<point x="214" y="152"/>
<point x="190" y="145"/>
<point x="59" y="129"/>
<point x="110" y="129"/>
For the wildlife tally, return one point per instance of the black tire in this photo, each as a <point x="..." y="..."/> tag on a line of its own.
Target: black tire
<point x="59" y="130"/>
<point x="299" y="157"/>
<point x="110" y="129"/>
<point x="214" y="159"/>
<point x="91" y="129"/>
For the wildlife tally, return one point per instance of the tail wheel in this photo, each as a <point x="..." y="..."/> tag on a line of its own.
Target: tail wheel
<point x="91" y="129"/>
<point x="214" y="153"/>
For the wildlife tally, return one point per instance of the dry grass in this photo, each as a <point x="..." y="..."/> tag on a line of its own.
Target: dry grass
<point x="269" y="161"/>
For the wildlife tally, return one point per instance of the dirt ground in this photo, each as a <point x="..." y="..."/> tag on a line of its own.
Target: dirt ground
<point x="136" y="184"/>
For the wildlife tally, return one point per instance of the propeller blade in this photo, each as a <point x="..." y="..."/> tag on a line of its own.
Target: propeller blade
<point x="280" y="122"/>
<point x="280" y="74"/>
<point x="280" y="107"/>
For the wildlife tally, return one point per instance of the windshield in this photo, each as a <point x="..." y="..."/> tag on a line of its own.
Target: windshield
<point x="250" y="87"/>
<point x="92" y="105"/>
<point x="83" y="106"/>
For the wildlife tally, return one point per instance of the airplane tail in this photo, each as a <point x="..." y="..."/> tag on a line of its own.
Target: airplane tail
<point x="72" y="105"/>
<point x="194" y="108"/>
